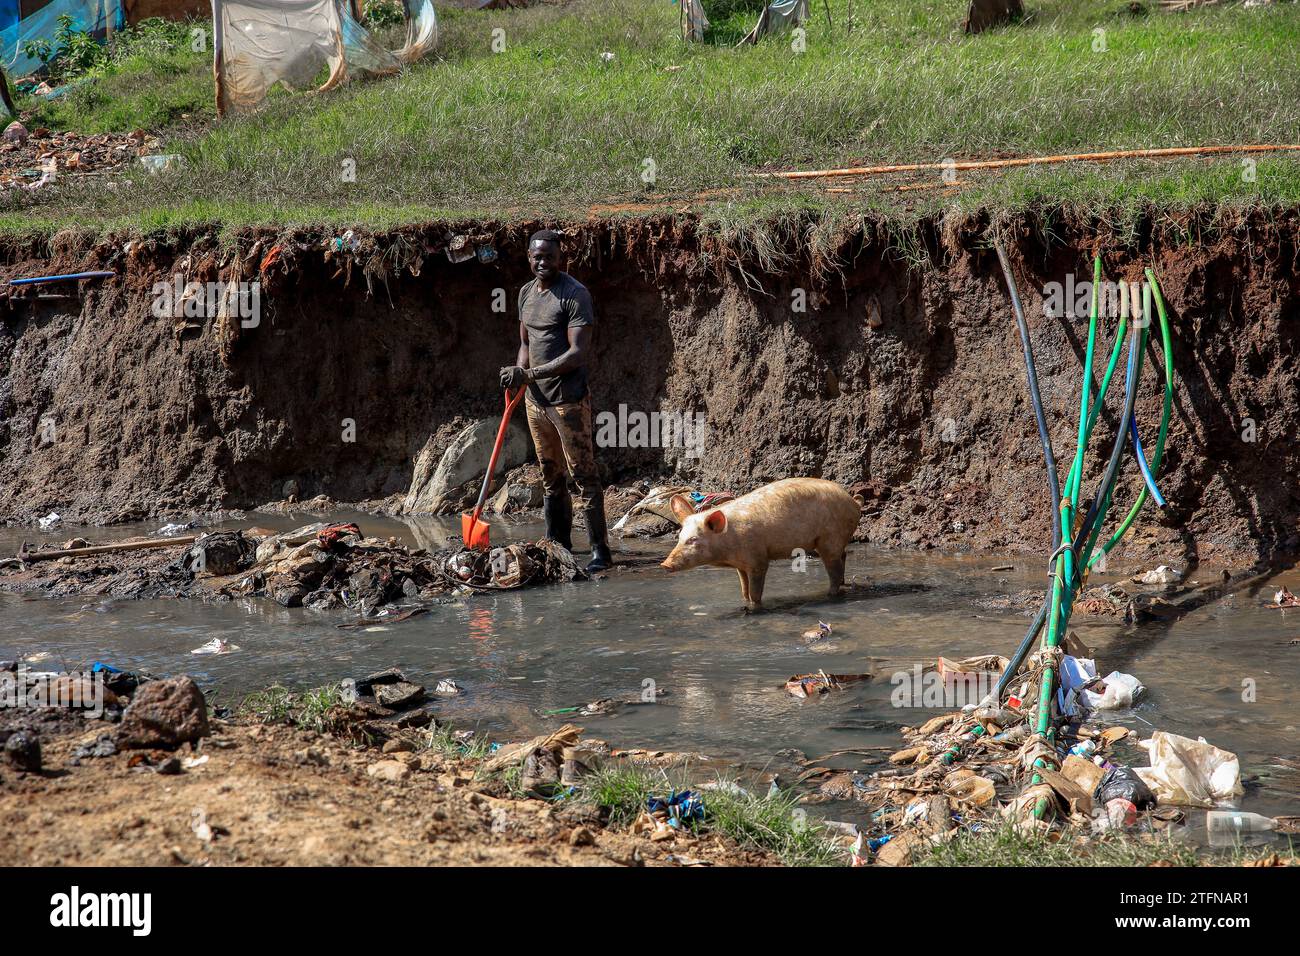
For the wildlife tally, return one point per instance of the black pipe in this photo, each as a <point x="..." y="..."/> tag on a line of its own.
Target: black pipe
<point x="1052" y="480"/>
<point x="1116" y="456"/>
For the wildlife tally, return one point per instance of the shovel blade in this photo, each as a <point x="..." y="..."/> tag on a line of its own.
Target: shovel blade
<point x="476" y="538"/>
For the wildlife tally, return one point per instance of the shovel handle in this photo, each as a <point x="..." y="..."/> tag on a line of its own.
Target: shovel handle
<point x="511" y="402"/>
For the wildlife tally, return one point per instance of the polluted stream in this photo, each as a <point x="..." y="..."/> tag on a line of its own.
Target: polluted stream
<point x="1225" y="671"/>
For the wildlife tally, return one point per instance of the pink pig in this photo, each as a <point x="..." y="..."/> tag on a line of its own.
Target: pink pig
<point x="766" y="524"/>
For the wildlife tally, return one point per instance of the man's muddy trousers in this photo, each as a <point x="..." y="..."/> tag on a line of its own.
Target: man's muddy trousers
<point x="563" y="439"/>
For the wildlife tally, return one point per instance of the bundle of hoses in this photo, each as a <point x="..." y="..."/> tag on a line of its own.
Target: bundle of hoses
<point x="1071" y="560"/>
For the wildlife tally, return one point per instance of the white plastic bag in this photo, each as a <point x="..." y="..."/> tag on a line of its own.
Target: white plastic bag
<point x="1189" y="772"/>
<point x="1121" y="691"/>
<point x="1075" y="672"/>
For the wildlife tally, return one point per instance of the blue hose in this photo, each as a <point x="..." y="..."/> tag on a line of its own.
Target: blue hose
<point x="72" y="275"/>
<point x="1149" y="478"/>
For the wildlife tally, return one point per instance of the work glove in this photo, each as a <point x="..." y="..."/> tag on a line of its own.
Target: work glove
<point x="512" y="376"/>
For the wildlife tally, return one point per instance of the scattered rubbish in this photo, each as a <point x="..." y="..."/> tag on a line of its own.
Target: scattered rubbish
<point x="1161" y="575"/>
<point x="1189" y="772"/>
<point x="971" y="670"/>
<point x="542" y="759"/>
<point x="190" y="763"/>
<point x="1116" y="691"/>
<point x="162" y="162"/>
<point x="123" y="683"/>
<point x="815" y="634"/>
<point x="806" y="685"/>
<point x="397" y="618"/>
<point x="216" y="646"/>
<point x="447" y="688"/>
<point x="1237" y="827"/>
<point x="1124" y="783"/>
<point x="1120" y="814"/>
<point x="348" y="242"/>
<point x="460" y="249"/>
<point x="1284" y="598"/>
<point x="968" y="787"/>
<point x="50" y="522"/>
<point x="172" y="529"/>
<point x="663" y="816"/>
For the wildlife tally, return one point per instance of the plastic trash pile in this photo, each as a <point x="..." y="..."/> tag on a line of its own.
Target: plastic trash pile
<point x="969" y="769"/>
<point x="334" y="566"/>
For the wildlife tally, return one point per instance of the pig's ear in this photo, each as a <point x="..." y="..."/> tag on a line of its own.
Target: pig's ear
<point x="716" y="521"/>
<point x="681" y="507"/>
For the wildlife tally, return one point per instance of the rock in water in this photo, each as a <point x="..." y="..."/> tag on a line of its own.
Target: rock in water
<point x="437" y="482"/>
<point x="164" y="713"/>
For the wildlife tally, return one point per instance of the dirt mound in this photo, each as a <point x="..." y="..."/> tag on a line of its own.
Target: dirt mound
<point x="272" y="795"/>
<point x="901" y="370"/>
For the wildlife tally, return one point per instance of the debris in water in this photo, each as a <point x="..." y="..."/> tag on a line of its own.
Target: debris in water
<point x="806" y="685"/>
<point x="1284" y="598"/>
<point x="815" y="634"/>
<point x="1161" y="575"/>
<point x="216" y="646"/>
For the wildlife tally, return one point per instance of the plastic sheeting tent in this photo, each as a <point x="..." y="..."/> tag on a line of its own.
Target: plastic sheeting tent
<point x="96" y="17"/>
<point x="777" y="17"/>
<point x="259" y="43"/>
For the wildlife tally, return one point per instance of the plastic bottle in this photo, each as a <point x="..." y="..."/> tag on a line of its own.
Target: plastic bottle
<point x="1084" y="749"/>
<point x="1228" y="824"/>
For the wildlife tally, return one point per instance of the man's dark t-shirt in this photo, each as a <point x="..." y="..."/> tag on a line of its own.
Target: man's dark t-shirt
<point x="548" y="315"/>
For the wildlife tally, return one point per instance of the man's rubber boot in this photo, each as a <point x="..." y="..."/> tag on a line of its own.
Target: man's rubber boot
<point x="558" y="511"/>
<point x="601" y="559"/>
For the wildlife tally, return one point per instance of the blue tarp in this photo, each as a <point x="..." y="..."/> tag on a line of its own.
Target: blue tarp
<point x="91" y="16"/>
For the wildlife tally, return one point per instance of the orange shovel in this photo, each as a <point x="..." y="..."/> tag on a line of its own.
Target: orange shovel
<point x="473" y="530"/>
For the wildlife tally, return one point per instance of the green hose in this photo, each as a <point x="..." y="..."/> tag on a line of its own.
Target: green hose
<point x="1154" y="288"/>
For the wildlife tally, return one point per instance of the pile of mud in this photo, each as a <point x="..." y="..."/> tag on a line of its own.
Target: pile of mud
<point x="886" y="356"/>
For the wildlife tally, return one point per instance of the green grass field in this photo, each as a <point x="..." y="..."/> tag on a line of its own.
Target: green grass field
<point x="549" y="128"/>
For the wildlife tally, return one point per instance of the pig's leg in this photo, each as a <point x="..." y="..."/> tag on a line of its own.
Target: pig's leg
<point x="835" y="571"/>
<point x="744" y="584"/>
<point x="757" y="576"/>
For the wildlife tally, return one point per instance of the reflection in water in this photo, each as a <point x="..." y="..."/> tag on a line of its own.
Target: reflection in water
<point x="520" y="653"/>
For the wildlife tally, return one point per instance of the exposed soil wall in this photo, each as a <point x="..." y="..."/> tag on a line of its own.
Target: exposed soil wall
<point x="155" y="416"/>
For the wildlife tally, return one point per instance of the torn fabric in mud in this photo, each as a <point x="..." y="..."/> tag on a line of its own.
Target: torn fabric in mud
<point x="259" y="43"/>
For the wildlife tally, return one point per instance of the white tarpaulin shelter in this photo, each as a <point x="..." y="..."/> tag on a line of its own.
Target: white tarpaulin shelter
<point x="777" y="17"/>
<point x="258" y="43"/>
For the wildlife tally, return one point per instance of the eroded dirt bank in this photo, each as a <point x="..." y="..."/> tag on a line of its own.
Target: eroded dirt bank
<point x="903" y="372"/>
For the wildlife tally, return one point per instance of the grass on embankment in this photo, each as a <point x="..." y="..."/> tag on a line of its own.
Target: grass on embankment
<point x="549" y="128"/>
<point x="1005" y="845"/>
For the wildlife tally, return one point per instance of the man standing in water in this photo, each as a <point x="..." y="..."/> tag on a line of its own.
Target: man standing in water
<point x="555" y="325"/>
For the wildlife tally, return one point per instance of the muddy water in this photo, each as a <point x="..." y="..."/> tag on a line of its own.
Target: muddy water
<point x="520" y="653"/>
